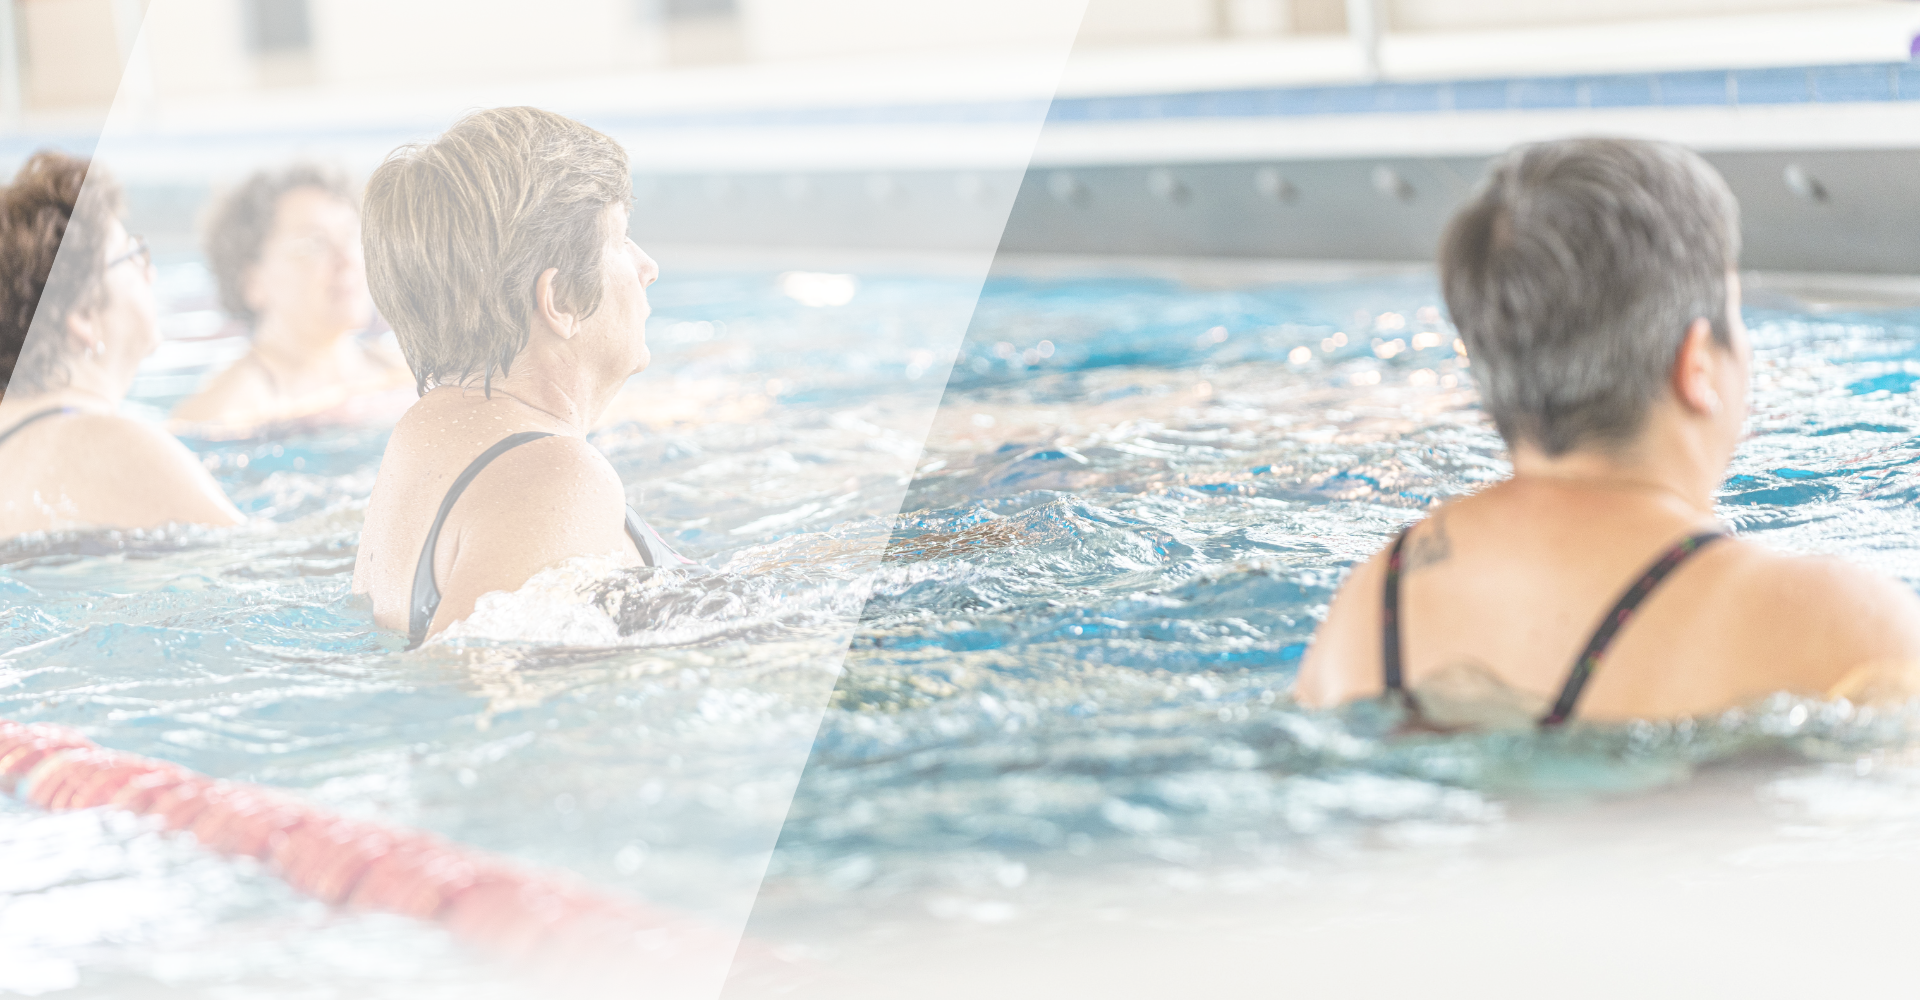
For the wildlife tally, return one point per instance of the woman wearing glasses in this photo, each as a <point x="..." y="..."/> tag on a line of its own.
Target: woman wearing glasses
<point x="76" y="318"/>
<point x="285" y="252"/>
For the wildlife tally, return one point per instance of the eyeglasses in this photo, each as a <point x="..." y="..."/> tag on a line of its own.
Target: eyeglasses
<point x="141" y="252"/>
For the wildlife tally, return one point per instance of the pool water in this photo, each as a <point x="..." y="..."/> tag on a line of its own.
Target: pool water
<point x="948" y="655"/>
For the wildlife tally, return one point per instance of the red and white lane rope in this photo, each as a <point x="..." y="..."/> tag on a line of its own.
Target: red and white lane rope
<point x="484" y="899"/>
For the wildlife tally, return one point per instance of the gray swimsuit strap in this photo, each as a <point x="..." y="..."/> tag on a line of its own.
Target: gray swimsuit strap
<point x="34" y="418"/>
<point x="654" y="550"/>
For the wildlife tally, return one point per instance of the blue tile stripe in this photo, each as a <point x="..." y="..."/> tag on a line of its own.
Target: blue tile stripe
<point x="1868" y="82"/>
<point x="1898" y="81"/>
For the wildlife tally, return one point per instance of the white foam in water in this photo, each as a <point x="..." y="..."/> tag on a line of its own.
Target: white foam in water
<point x="555" y="607"/>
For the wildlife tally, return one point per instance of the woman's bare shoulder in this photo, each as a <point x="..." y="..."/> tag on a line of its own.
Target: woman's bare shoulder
<point x="561" y="468"/>
<point x="240" y="392"/>
<point x="123" y="437"/>
<point x="153" y="478"/>
<point x="1829" y="614"/>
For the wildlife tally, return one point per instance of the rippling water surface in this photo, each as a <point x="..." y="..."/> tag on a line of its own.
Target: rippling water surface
<point x="1065" y="661"/>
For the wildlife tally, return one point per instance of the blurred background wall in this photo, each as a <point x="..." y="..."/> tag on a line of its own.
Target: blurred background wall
<point x="65" y="56"/>
<point x="1306" y="129"/>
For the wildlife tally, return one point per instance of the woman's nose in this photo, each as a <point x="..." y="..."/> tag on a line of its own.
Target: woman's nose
<point x="649" y="269"/>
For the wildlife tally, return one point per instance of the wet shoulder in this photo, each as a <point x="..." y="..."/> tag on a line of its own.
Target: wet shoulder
<point x="1816" y="618"/>
<point x="558" y="475"/>
<point x="118" y="437"/>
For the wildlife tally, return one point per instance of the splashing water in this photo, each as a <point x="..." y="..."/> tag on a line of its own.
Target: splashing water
<point x="1066" y="660"/>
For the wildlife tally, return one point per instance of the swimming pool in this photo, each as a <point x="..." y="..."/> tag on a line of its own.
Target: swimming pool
<point x="1060" y="696"/>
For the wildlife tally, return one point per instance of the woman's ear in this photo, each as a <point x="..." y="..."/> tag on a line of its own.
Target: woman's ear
<point x="83" y="328"/>
<point x="546" y="309"/>
<point x="1695" y="368"/>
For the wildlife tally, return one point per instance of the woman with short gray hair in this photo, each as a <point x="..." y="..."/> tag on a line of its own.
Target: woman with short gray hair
<point x="1594" y="283"/>
<point x="499" y="252"/>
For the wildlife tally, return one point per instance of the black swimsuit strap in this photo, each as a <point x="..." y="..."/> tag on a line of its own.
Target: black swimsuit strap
<point x="1616" y="617"/>
<point x="654" y="550"/>
<point x="33" y="418"/>
<point x="426" y="591"/>
<point x="1390" y="619"/>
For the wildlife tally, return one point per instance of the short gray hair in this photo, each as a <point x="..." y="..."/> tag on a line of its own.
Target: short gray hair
<point x="458" y="230"/>
<point x="1572" y="274"/>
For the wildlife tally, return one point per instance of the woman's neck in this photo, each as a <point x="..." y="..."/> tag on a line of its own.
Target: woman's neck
<point x="561" y="389"/>
<point x="1675" y="477"/>
<point x="1676" y="452"/>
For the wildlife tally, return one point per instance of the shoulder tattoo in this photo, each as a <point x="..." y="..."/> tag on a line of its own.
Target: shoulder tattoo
<point x="1430" y="546"/>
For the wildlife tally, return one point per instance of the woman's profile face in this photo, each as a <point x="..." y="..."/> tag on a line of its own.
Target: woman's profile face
<point x="621" y="320"/>
<point x="311" y="276"/>
<point x="126" y="319"/>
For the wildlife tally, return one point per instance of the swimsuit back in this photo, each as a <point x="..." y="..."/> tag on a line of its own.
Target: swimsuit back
<point x="425" y="599"/>
<point x="1589" y="658"/>
<point x="35" y="417"/>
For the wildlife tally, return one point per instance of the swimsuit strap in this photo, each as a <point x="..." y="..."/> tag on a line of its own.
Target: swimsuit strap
<point x="1622" y="610"/>
<point x="35" y="417"/>
<point x="654" y="551"/>
<point x="1390" y="622"/>
<point x="426" y="591"/>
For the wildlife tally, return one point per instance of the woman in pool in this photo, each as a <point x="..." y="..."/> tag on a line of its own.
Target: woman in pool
<point x="285" y="252"/>
<point x="1594" y="284"/>
<point x="499" y="252"/>
<point x="76" y="318"/>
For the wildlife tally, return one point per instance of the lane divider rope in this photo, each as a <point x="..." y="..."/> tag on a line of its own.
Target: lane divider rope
<point x="485" y="899"/>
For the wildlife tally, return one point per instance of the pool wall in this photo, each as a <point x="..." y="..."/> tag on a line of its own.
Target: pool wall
<point x="1823" y="160"/>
